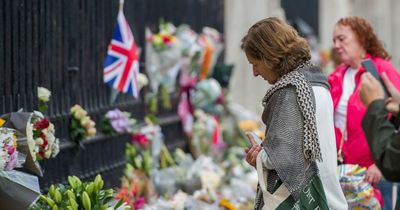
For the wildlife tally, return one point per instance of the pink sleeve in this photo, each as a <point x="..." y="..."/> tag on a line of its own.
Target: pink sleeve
<point x="391" y="72"/>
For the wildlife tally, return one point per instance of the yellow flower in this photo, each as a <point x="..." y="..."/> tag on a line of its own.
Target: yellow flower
<point x="2" y="122"/>
<point x="157" y="39"/>
<point x="91" y="132"/>
<point x="14" y="140"/>
<point x="226" y="204"/>
<point x="85" y="121"/>
<point x="248" y="125"/>
<point x="79" y="114"/>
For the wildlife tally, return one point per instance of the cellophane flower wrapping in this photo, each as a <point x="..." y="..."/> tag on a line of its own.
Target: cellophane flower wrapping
<point x="206" y="95"/>
<point x="163" y="57"/>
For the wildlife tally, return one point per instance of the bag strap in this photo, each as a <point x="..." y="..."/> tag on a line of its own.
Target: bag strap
<point x="275" y="199"/>
<point x="340" y="157"/>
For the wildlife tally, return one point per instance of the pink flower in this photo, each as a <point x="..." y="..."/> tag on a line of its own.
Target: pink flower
<point x="139" y="203"/>
<point x="12" y="161"/>
<point x="10" y="150"/>
<point x="140" y="139"/>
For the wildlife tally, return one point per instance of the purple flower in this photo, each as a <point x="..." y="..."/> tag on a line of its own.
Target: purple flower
<point x="121" y="125"/>
<point x="119" y="121"/>
<point x="114" y="114"/>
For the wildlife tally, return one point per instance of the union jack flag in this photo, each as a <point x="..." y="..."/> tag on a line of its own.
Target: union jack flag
<point x="121" y="65"/>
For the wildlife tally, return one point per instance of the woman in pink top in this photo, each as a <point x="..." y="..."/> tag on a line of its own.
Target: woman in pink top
<point x="354" y="40"/>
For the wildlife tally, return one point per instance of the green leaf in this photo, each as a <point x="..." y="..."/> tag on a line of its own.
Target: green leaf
<point x="120" y="202"/>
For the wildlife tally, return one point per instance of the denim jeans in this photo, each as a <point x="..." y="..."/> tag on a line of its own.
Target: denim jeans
<point x="386" y="189"/>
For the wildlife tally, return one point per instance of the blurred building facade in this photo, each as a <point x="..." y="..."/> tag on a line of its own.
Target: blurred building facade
<point x="239" y="17"/>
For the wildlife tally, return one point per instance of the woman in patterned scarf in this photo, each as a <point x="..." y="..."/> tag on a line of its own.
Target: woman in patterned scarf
<point x="296" y="162"/>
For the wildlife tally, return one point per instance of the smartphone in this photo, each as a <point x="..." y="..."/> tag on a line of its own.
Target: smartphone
<point x="370" y="67"/>
<point x="253" y="138"/>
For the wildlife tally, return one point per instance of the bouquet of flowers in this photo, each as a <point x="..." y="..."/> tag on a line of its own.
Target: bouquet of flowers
<point x="136" y="188"/>
<point x="40" y="136"/>
<point x="211" y="41"/>
<point x="165" y="39"/>
<point x="9" y="156"/>
<point x="78" y="195"/>
<point x="117" y="122"/>
<point x="207" y="134"/>
<point x="140" y="161"/>
<point x="81" y="126"/>
<point x="163" y="55"/>
<point x="207" y="96"/>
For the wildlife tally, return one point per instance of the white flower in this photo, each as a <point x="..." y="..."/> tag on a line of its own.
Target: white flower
<point x="50" y="137"/>
<point x="55" y="148"/>
<point x="47" y="154"/>
<point x="39" y="141"/>
<point x="30" y="140"/>
<point x="142" y="80"/>
<point x="210" y="180"/>
<point x="3" y="159"/>
<point x="43" y="94"/>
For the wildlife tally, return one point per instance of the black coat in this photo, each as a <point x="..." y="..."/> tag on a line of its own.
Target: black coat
<point x="384" y="140"/>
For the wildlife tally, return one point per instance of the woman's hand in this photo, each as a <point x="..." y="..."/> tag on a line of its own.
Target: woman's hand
<point x="373" y="175"/>
<point x="252" y="153"/>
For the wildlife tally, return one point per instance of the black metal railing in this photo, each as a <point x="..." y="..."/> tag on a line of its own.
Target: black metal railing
<point x="61" y="44"/>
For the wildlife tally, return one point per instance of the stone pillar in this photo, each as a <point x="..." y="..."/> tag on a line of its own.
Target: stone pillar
<point x="378" y="14"/>
<point x="329" y="13"/>
<point x="395" y="43"/>
<point x="239" y="16"/>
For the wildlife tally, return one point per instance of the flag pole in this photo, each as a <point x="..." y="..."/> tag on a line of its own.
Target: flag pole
<point x="114" y="92"/>
<point x="121" y="5"/>
<point x="114" y="95"/>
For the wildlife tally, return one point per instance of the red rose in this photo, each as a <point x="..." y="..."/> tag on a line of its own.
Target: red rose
<point x="41" y="154"/>
<point x="45" y="142"/>
<point x="41" y="124"/>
